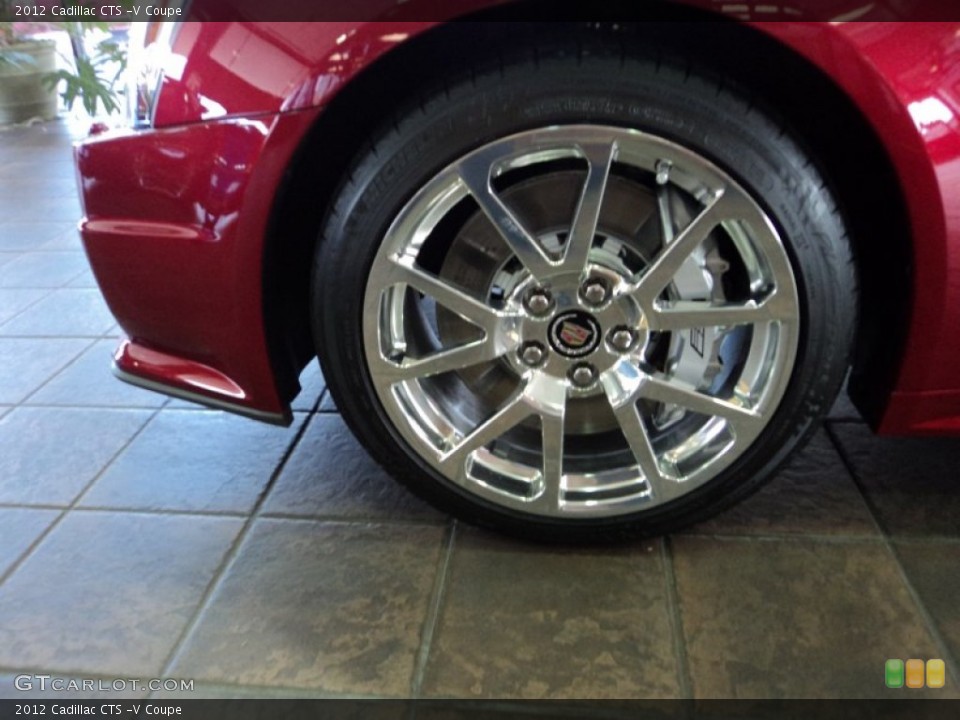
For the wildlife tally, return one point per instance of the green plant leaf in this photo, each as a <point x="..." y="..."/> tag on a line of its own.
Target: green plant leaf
<point x="86" y="84"/>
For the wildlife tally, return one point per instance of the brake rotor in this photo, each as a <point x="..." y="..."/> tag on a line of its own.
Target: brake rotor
<point x="480" y="262"/>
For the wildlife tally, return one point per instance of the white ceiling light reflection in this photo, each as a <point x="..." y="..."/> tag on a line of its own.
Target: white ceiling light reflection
<point x="929" y="112"/>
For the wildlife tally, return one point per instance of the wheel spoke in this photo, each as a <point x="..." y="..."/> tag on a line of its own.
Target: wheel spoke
<point x="583" y="230"/>
<point x="442" y="361"/>
<point x="666" y="213"/>
<point x="446" y="294"/>
<point x="635" y="431"/>
<point x="513" y="412"/>
<point x="551" y="492"/>
<point x="685" y="314"/>
<point x="475" y="173"/>
<point x="672" y="257"/>
<point x="672" y="392"/>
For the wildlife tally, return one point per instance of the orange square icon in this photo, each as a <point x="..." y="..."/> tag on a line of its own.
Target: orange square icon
<point x="915" y="671"/>
<point x="936" y="673"/>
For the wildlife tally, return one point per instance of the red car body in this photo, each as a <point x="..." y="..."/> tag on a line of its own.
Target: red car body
<point x="188" y="223"/>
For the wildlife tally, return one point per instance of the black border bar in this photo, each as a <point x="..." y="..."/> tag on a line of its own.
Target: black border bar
<point x="483" y="709"/>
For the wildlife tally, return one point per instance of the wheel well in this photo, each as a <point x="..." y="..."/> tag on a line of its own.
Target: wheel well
<point x="848" y="152"/>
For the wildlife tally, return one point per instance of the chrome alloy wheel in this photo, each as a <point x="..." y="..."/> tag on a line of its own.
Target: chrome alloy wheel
<point x="580" y="321"/>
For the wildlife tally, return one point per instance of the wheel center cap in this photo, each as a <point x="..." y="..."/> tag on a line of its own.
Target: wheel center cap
<point x="574" y="333"/>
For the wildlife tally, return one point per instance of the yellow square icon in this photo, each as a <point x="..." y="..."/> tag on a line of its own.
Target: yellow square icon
<point x="936" y="673"/>
<point x="914" y="673"/>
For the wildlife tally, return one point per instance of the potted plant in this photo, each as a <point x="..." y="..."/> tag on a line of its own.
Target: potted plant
<point x="95" y="75"/>
<point x="29" y="76"/>
<point x="23" y="64"/>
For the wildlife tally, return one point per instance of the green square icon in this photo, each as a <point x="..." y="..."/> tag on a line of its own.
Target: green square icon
<point x="893" y="673"/>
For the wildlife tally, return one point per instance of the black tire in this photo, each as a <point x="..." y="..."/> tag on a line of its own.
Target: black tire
<point x="552" y="86"/>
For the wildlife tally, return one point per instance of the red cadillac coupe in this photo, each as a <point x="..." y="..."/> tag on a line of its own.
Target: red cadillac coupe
<point x="573" y="280"/>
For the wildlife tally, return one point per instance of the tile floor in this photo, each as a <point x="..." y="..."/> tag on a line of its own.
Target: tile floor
<point x="147" y="537"/>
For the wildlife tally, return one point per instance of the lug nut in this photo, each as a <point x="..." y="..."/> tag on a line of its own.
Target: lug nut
<point x="622" y="338"/>
<point x="594" y="292"/>
<point x="532" y="354"/>
<point x="583" y="375"/>
<point x="538" y="302"/>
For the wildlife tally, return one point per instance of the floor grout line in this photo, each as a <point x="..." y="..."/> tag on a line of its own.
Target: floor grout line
<point x="54" y="337"/>
<point x="41" y="506"/>
<point x="440" y="522"/>
<point x="234" y="514"/>
<point x="51" y="290"/>
<point x="432" y="619"/>
<point x="838" y="539"/>
<point x="925" y="615"/>
<point x="56" y="373"/>
<point x="42" y="247"/>
<point x="355" y="520"/>
<point x="48" y="293"/>
<point x="949" y="540"/>
<point x="162" y="512"/>
<point x="232" y="552"/>
<point x="24" y="556"/>
<point x="675" y="615"/>
<point x="65" y="285"/>
<point x="59" y="406"/>
<point x="40" y="250"/>
<point x="238" y="515"/>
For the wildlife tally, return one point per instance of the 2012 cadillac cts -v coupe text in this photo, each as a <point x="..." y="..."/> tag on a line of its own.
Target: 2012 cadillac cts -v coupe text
<point x="573" y="280"/>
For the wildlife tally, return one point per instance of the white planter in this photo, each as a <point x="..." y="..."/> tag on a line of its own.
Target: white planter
<point x="22" y="95"/>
